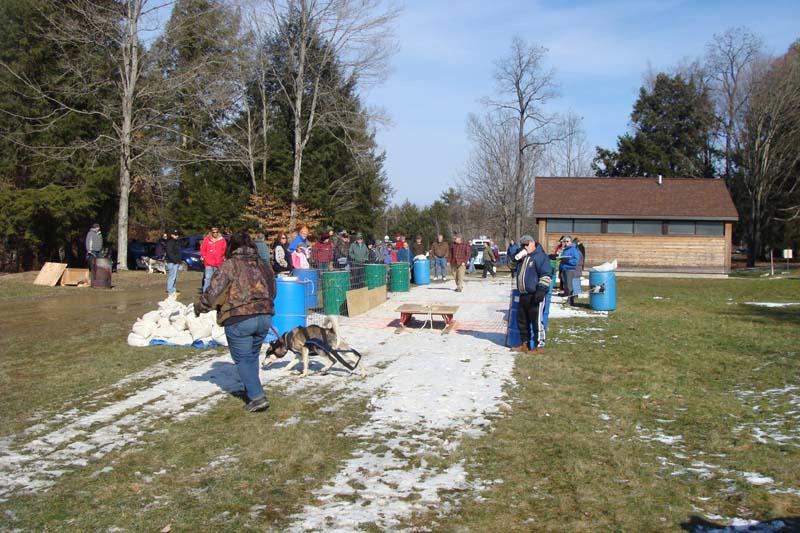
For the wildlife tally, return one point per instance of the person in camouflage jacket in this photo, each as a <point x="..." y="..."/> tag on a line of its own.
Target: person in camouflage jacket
<point x="243" y="290"/>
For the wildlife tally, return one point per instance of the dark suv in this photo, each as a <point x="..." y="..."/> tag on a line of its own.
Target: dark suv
<point x="190" y="252"/>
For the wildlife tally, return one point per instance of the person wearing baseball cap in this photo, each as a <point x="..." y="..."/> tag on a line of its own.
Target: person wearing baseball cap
<point x="173" y="250"/>
<point x="534" y="274"/>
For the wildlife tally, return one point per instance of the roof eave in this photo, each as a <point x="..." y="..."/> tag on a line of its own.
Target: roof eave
<point x="637" y="217"/>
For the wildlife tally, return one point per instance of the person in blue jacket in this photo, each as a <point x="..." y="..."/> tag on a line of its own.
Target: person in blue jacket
<point x="534" y="274"/>
<point x="301" y="241"/>
<point x="570" y="259"/>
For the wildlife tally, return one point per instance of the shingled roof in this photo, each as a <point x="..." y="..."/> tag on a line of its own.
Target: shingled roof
<point x="643" y="198"/>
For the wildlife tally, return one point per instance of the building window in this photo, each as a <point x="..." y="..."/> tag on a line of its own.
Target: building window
<point x="714" y="229"/>
<point x="559" y="225"/>
<point x="680" y="227"/>
<point x="620" y="226"/>
<point x="587" y="225"/>
<point x="648" y="227"/>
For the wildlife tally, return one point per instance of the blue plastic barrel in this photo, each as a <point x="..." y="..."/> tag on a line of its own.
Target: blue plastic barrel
<point x="290" y="309"/>
<point x="310" y="279"/>
<point x="422" y="272"/>
<point x="512" y="331"/>
<point x="603" y="291"/>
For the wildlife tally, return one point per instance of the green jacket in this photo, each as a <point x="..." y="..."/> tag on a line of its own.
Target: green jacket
<point x="359" y="253"/>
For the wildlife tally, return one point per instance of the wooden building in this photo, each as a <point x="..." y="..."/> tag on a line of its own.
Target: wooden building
<point x="646" y="224"/>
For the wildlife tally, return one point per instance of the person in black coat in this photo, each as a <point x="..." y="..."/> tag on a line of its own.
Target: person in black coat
<point x="173" y="256"/>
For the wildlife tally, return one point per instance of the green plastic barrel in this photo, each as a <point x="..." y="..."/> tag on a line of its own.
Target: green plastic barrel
<point x="554" y="263"/>
<point x="334" y="291"/>
<point x="399" y="277"/>
<point x="376" y="275"/>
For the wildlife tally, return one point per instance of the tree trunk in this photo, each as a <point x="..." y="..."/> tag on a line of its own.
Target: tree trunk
<point x="129" y="77"/>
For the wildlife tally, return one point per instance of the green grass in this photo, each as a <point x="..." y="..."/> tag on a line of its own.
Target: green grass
<point x="682" y="359"/>
<point x="563" y="466"/>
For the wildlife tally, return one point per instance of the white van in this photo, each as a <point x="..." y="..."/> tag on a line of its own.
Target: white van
<point x="477" y="248"/>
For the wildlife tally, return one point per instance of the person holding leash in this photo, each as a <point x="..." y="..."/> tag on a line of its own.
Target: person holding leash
<point x="244" y="289"/>
<point x="534" y="275"/>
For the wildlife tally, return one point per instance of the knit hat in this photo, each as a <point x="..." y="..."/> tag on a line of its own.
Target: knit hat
<point x="525" y="239"/>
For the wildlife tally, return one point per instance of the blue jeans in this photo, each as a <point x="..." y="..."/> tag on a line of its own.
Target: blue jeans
<point x="207" y="273"/>
<point x="244" y="341"/>
<point x="439" y="263"/>
<point x="172" y="277"/>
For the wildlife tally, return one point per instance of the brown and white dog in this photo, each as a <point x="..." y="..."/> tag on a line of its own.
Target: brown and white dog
<point x="296" y="340"/>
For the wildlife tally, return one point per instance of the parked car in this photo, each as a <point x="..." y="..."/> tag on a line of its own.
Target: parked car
<point x="136" y="251"/>
<point x="190" y="253"/>
<point x="478" y="246"/>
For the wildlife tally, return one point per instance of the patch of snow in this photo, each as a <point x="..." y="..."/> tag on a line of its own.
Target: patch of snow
<point x="292" y="420"/>
<point x="772" y="304"/>
<point x="754" y="478"/>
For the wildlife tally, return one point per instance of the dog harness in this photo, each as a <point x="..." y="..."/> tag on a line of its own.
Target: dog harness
<point x="320" y="344"/>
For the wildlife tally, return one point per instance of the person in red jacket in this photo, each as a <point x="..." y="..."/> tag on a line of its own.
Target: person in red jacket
<point x="460" y="253"/>
<point x="322" y="252"/>
<point x="212" y="251"/>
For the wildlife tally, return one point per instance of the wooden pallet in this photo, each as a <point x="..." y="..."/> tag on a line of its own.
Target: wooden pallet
<point x="407" y="311"/>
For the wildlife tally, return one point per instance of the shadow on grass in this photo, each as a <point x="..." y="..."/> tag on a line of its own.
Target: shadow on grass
<point x="789" y="314"/>
<point x="697" y="524"/>
<point x="225" y="376"/>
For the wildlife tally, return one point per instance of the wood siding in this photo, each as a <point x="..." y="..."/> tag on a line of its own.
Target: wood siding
<point x="667" y="253"/>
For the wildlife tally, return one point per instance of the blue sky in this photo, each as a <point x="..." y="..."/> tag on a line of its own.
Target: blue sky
<point x="600" y="51"/>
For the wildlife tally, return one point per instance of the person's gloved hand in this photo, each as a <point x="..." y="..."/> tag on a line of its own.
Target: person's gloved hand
<point x="521" y="255"/>
<point x="545" y="280"/>
<point x="540" y="294"/>
<point x="197" y="309"/>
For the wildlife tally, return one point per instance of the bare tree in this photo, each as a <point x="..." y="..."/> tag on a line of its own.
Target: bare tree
<point x="570" y="154"/>
<point x="316" y="38"/>
<point x="770" y="157"/>
<point x="524" y="87"/>
<point x="490" y="174"/>
<point x="729" y="56"/>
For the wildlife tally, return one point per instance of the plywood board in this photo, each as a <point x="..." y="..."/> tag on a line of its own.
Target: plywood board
<point x="357" y="301"/>
<point x="377" y="296"/>
<point x="75" y="276"/>
<point x="50" y="274"/>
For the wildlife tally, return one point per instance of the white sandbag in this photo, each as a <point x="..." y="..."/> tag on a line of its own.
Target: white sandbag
<point x="198" y="327"/>
<point x="218" y="334"/>
<point x="137" y="340"/>
<point x="143" y="328"/>
<point x="163" y="322"/>
<point x="164" y="332"/>
<point x="605" y="267"/>
<point x="178" y="322"/>
<point x="151" y="316"/>
<point x="184" y="338"/>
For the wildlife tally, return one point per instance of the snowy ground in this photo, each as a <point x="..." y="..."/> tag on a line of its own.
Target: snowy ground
<point x="427" y="391"/>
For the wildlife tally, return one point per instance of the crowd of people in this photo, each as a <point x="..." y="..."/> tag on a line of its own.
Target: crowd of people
<point x="240" y="271"/>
